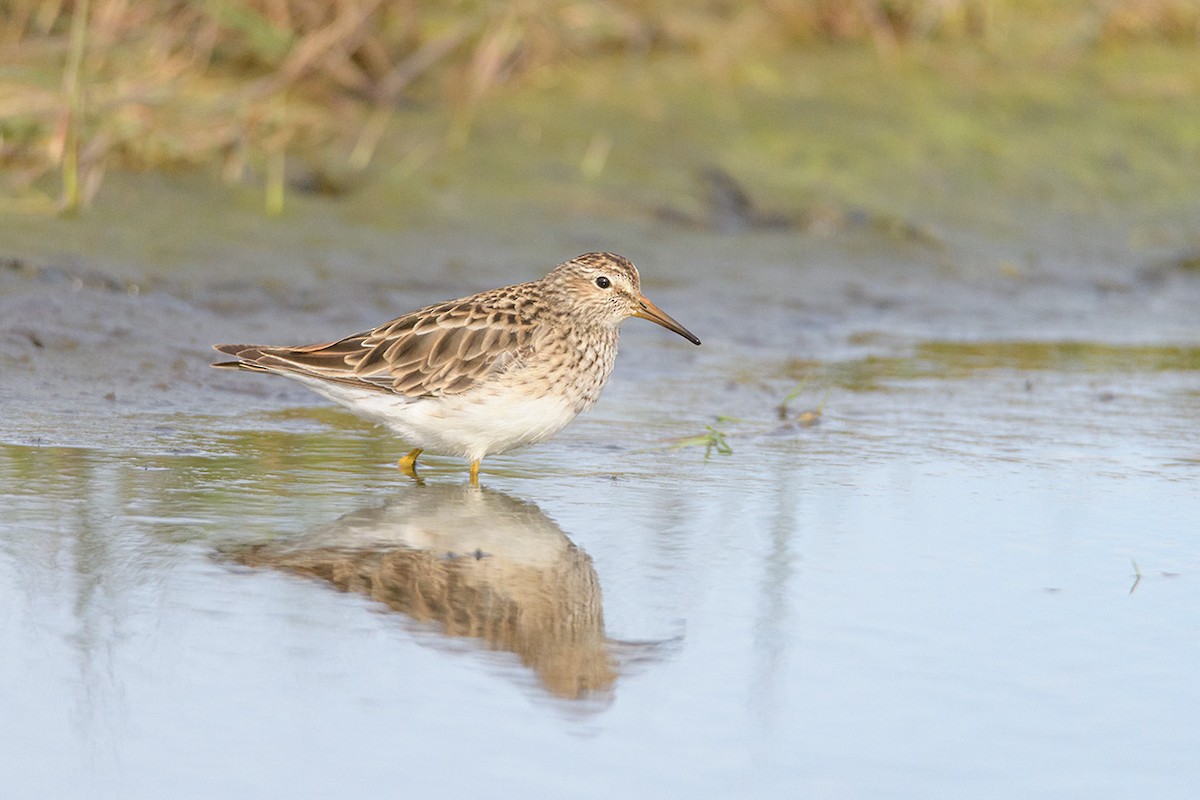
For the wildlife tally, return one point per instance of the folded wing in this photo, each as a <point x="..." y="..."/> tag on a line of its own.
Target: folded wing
<point x="443" y="349"/>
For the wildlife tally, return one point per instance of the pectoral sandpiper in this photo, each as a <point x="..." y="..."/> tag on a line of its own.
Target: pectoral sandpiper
<point x="480" y="375"/>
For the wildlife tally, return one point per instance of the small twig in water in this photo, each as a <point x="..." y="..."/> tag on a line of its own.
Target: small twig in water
<point x="805" y="418"/>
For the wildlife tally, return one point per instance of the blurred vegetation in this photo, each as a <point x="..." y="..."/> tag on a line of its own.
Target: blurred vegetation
<point x="244" y="84"/>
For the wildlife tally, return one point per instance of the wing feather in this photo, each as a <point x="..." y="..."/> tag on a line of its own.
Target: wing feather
<point x="443" y="349"/>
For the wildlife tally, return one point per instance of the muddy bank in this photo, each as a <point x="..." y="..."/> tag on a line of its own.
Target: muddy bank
<point x="111" y="359"/>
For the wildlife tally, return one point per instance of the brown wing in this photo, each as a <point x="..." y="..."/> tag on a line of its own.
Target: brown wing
<point x="442" y="349"/>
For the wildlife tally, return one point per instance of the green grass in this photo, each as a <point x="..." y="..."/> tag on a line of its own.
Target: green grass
<point x="257" y="90"/>
<point x="712" y="440"/>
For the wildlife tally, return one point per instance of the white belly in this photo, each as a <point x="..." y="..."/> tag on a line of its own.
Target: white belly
<point x="472" y="426"/>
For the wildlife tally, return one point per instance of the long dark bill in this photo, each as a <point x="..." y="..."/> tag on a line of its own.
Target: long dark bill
<point x="655" y="314"/>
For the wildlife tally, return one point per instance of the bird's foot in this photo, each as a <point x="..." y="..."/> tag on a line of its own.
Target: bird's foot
<point x="408" y="464"/>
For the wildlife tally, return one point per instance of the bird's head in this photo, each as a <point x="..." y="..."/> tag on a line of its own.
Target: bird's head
<point x="606" y="288"/>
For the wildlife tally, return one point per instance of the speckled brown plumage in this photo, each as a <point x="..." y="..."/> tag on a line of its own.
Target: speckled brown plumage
<point x="485" y="373"/>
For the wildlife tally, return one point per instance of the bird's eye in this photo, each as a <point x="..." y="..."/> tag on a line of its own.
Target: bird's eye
<point x="603" y="282"/>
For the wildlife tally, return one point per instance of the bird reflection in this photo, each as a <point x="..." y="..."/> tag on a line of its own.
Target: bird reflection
<point x="476" y="561"/>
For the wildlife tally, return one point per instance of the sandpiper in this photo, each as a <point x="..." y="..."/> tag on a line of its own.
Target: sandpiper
<point x="483" y="374"/>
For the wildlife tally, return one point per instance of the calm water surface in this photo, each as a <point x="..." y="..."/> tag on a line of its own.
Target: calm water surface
<point x="974" y="575"/>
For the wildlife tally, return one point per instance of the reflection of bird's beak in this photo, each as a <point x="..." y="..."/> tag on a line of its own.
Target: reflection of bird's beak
<point x="653" y="313"/>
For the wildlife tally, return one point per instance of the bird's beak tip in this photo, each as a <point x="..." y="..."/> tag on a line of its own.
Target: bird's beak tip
<point x="655" y="314"/>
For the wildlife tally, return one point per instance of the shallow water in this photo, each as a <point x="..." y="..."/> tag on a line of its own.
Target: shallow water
<point x="959" y="560"/>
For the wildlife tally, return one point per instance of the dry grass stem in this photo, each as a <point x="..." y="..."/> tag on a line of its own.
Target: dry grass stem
<point x="152" y="84"/>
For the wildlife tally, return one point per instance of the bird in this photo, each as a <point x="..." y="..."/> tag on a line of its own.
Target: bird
<point x="483" y="374"/>
<point x="478" y="563"/>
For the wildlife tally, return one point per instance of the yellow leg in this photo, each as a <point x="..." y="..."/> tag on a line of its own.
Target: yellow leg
<point x="408" y="464"/>
<point x="474" y="473"/>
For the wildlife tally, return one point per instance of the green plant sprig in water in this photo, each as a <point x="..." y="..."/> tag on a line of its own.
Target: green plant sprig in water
<point x="712" y="439"/>
<point x="806" y="418"/>
<point x="715" y="436"/>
